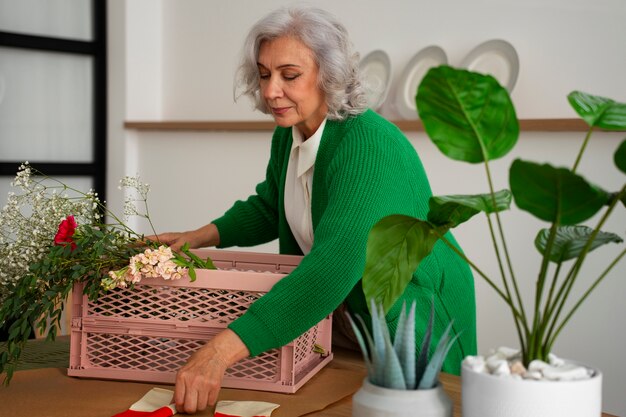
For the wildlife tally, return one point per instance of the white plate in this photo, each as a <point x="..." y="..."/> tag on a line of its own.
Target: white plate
<point x="495" y="57"/>
<point x="416" y="69"/>
<point x="375" y="70"/>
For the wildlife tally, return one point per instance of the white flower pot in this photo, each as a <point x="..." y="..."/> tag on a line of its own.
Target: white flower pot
<point x="486" y="395"/>
<point x="375" y="401"/>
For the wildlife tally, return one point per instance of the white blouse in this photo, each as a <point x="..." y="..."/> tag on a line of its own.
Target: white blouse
<point x="299" y="184"/>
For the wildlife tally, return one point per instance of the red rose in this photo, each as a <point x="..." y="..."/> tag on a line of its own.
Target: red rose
<point x="65" y="233"/>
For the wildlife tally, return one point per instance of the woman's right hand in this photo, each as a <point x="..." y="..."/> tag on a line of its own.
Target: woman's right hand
<point x="203" y="237"/>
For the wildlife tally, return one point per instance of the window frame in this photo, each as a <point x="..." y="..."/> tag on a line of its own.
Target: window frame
<point x="95" y="48"/>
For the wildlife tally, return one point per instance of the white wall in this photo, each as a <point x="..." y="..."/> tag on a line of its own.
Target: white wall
<point x="175" y="60"/>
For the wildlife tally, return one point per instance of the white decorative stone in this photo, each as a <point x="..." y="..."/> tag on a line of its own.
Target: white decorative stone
<point x="476" y="363"/>
<point x="498" y="366"/>
<point x="506" y="363"/>
<point x="555" y="360"/>
<point x="537" y="365"/>
<point x="508" y="353"/>
<point x="535" y="375"/>
<point x="566" y="372"/>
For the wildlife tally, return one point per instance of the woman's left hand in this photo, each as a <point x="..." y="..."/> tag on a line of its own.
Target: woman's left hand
<point x="199" y="381"/>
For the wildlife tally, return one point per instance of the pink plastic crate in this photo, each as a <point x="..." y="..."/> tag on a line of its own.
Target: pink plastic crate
<point x="147" y="333"/>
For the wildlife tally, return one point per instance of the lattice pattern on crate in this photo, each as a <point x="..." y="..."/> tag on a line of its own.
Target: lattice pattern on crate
<point x="174" y="303"/>
<point x="260" y="368"/>
<point x="133" y="352"/>
<point x="163" y="354"/>
<point x="304" y="347"/>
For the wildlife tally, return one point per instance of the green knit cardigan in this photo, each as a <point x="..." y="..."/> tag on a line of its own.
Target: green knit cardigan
<point x="365" y="169"/>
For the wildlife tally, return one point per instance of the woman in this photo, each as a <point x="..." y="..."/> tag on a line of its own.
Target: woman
<point x="335" y="169"/>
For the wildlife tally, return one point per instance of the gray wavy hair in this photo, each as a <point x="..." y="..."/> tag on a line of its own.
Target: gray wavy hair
<point x="338" y="75"/>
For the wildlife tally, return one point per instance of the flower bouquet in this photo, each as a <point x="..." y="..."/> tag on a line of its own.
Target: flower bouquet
<point x="53" y="236"/>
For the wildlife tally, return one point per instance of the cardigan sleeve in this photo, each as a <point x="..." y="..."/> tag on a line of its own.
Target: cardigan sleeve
<point x="373" y="172"/>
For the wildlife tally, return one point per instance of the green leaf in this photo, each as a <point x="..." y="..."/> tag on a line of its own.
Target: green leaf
<point x="469" y="116"/>
<point x="599" y="111"/>
<point x="554" y="194"/>
<point x="570" y="241"/>
<point x="14" y="330"/>
<point x="192" y="273"/>
<point x="620" y="157"/>
<point x="452" y="210"/>
<point x="196" y="260"/>
<point x="395" y="247"/>
<point x="208" y="264"/>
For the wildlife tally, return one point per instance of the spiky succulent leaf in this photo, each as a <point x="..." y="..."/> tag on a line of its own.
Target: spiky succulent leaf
<point x="554" y="194"/>
<point x="468" y="116"/>
<point x="422" y="360"/>
<point x="362" y="344"/>
<point x="430" y="377"/>
<point x="379" y="325"/>
<point x="387" y="364"/>
<point x="404" y="344"/>
<point x="570" y="241"/>
<point x="401" y="319"/>
<point x="376" y="376"/>
<point x="393" y="375"/>
<point x="599" y="111"/>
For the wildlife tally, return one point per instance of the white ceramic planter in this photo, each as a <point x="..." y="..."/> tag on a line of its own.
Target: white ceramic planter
<point x="486" y="395"/>
<point x="375" y="401"/>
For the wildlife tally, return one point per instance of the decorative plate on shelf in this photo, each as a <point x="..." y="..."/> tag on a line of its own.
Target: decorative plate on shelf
<point x="416" y="69"/>
<point x="497" y="58"/>
<point x="376" y="76"/>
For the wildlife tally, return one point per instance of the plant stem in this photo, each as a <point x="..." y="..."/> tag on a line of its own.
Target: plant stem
<point x="582" y="149"/>
<point x="547" y="311"/>
<point x="521" y="315"/>
<point x="618" y="258"/>
<point x="502" y="295"/>
<point x="145" y="204"/>
<point x="573" y="274"/>
<point x="552" y="288"/>
<point x="493" y="236"/>
<point x="539" y="320"/>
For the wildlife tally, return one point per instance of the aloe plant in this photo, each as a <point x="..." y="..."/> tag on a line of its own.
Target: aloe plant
<point x="394" y="365"/>
<point x="471" y="118"/>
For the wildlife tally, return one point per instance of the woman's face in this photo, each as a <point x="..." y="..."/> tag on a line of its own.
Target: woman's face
<point x="288" y="79"/>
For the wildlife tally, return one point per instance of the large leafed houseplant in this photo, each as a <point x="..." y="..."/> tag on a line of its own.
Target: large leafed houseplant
<point x="471" y="118"/>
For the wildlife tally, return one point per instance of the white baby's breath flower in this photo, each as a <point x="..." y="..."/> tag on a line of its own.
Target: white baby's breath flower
<point x="30" y="220"/>
<point x="136" y="195"/>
